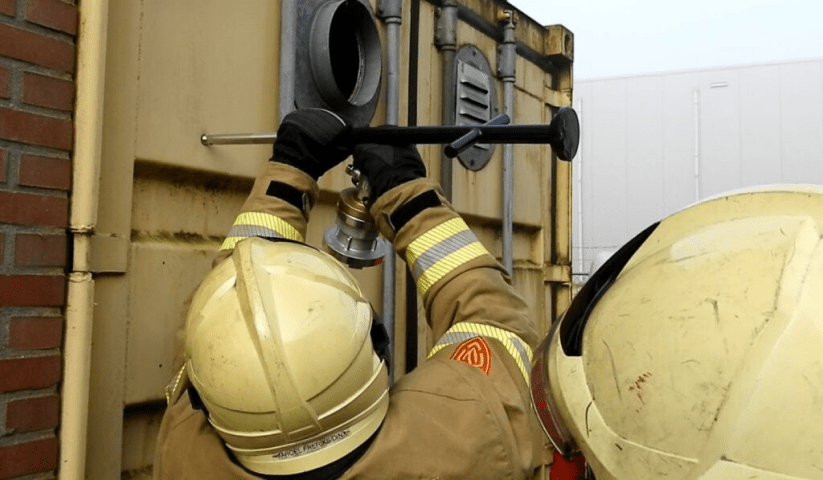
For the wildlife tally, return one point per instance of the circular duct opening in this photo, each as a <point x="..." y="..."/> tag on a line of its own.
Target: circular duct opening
<point x="345" y="54"/>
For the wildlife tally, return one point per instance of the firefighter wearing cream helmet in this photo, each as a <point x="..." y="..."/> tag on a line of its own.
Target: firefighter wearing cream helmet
<point x="284" y="378"/>
<point x="694" y="352"/>
<point x="243" y="331"/>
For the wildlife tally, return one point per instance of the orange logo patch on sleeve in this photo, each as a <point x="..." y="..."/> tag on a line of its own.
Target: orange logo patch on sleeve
<point x="476" y="353"/>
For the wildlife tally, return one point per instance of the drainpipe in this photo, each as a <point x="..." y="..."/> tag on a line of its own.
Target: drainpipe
<point x="446" y="41"/>
<point x="696" y="101"/>
<point x="391" y="13"/>
<point x="579" y="187"/>
<point x="506" y="52"/>
<point x="288" y="48"/>
<point x="91" y="68"/>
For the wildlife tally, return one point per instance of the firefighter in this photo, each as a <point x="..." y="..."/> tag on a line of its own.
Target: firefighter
<point x="282" y="377"/>
<point x="694" y="351"/>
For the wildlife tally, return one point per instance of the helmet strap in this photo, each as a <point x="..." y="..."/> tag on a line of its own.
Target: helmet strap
<point x="331" y="471"/>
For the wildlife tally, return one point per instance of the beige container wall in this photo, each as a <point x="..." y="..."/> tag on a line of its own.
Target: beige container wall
<point x="178" y="69"/>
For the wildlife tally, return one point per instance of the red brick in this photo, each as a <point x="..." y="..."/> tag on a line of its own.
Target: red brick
<point x="40" y="250"/>
<point x="35" y="333"/>
<point x="4" y="83"/>
<point x="28" y="373"/>
<point x="3" y="166"/>
<point x="45" y="172"/>
<point x="48" y="92"/>
<point x="35" y="129"/>
<point x="31" y="209"/>
<point x="53" y="14"/>
<point x="32" y="414"/>
<point x="7" y="7"/>
<point x="32" y="291"/>
<point x="27" y="458"/>
<point x="33" y="48"/>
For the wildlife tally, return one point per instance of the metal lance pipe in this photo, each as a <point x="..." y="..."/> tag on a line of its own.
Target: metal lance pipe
<point x="506" y="71"/>
<point x="562" y="134"/>
<point x="391" y="13"/>
<point x="237" y="138"/>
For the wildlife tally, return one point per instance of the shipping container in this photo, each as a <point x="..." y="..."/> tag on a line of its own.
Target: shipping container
<point x="150" y="203"/>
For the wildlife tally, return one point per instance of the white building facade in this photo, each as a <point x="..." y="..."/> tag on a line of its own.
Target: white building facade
<point x="653" y="144"/>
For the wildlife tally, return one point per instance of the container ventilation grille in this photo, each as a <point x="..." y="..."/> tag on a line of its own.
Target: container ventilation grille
<point x="474" y="102"/>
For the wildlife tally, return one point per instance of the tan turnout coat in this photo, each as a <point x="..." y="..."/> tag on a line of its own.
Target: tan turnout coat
<point x="448" y="419"/>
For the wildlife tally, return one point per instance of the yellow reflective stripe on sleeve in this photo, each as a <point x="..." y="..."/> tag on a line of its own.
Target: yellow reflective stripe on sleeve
<point x="171" y="388"/>
<point x="517" y="348"/>
<point x="440" y="250"/>
<point x="258" y="224"/>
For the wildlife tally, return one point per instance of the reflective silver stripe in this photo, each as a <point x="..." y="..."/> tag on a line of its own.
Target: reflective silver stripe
<point x="441" y="250"/>
<point x="246" y="231"/>
<point x="427" y="259"/>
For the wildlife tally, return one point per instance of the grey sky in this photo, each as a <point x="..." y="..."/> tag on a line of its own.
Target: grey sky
<point x="625" y="37"/>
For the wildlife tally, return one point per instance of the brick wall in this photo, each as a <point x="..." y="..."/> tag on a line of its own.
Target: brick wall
<point x="37" y="66"/>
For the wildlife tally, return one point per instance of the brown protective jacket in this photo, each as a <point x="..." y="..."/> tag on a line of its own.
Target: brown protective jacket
<point x="462" y="418"/>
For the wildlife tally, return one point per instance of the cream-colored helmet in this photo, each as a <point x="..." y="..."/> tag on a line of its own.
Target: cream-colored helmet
<point x="696" y="351"/>
<point x="278" y="348"/>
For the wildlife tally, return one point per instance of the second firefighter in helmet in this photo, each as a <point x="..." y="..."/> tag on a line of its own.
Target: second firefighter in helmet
<point x="694" y="352"/>
<point x="284" y="377"/>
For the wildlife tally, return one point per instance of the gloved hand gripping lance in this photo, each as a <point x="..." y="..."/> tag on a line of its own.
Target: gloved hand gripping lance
<point x="354" y="238"/>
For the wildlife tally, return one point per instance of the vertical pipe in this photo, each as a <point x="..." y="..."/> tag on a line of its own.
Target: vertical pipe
<point x="579" y="188"/>
<point x="446" y="41"/>
<point x="391" y="13"/>
<point x="506" y="71"/>
<point x="411" y="286"/>
<point x="696" y="101"/>
<point x="91" y="69"/>
<point x="288" y="48"/>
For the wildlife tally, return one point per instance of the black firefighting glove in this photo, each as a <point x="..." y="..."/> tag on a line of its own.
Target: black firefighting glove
<point x="387" y="166"/>
<point x="312" y="140"/>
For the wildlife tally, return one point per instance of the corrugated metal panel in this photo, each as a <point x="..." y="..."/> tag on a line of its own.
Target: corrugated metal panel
<point x="653" y="144"/>
<point x="178" y="70"/>
<point x="801" y="122"/>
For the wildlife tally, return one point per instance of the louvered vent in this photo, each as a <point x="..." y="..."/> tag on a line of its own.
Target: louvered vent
<point x="474" y="101"/>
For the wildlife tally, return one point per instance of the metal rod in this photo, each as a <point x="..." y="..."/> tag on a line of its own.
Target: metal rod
<point x="507" y="71"/>
<point x="448" y="133"/>
<point x="288" y="54"/>
<point x="392" y="135"/>
<point x="391" y="12"/>
<point x="237" y="138"/>
<point x="446" y="41"/>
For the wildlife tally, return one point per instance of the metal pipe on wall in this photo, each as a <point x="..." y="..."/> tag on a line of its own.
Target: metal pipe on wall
<point x="579" y="188"/>
<point x="696" y="101"/>
<point x="91" y="68"/>
<point x="507" y="72"/>
<point x="288" y="49"/>
<point x="391" y="14"/>
<point x="446" y="41"/>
